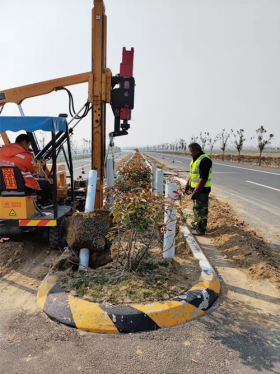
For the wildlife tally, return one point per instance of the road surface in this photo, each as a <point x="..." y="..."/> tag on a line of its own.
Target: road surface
<point x="255" y="189"/>
<point x="241" y="334"/>
<point x="86" y="163"/>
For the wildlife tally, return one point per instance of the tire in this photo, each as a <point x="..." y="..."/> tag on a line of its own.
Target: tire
<point x="56" y="238"/>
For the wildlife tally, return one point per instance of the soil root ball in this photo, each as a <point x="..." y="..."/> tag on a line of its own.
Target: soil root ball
<point x="88" y="230"/>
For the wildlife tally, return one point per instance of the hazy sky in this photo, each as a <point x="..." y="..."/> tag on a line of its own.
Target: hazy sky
<point x="199" y="65"/>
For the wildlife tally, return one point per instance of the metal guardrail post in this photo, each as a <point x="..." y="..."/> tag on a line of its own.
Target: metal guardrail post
<point x="159" y="181"/>
<point x="170" y="222"/>
<point x="110" y="172"/>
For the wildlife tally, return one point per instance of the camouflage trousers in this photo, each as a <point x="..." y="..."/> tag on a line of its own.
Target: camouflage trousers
<point x="200" y="210"/>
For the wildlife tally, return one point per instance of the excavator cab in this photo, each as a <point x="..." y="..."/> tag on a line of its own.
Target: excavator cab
<point x="19" y="206"/>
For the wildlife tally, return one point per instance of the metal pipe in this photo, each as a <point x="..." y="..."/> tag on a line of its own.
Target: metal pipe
<point x="70" y="162"/>
<point x="54" y="175"/>
<point x="91" y="191"/>
<point x="170" y="222"/>
<point x="21" y="110"/>
<point x="77" y="114"/>
<point x="110" y="172"/>
<point x="154" y="182"/>
<point x="47" y="146"/>
<point x="66" y="159"/>
<point x="45" y="152"/>
<point x="159" y="181"/>
<point x="84" y="258"/>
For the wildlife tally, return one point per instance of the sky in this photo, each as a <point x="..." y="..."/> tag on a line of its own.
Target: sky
<point x="199" y="65"/>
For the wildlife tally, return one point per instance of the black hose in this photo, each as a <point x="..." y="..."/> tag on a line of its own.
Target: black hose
<point x="71" y="105"/>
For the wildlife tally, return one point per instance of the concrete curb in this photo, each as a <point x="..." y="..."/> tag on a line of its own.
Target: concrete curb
<point x="85" y="315"/>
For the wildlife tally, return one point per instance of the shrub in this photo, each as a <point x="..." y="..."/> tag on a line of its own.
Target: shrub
<point x="135" y="177"/>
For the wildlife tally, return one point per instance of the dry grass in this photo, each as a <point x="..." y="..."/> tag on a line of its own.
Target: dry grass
<point x="157" y="279"/>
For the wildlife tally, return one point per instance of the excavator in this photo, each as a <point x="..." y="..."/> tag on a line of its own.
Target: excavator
<point x="18" y="209"/>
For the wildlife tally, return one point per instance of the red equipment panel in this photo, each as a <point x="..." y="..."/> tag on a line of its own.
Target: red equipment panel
<point x="126" y="70"/>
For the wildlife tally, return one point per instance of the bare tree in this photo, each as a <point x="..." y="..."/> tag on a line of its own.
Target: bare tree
<point x="181" y="143"/>
<point x="84" y="145"/>
<point x="203" y="139"/>
<point x="239" y="140"/>
<point x="193" y="139"/>
<point x="262" y="143"/>
<point x="211" y="142"/>
<point x="224" y="140"/>
<point x="74" y="145"/>
<point x="42" y="140"/>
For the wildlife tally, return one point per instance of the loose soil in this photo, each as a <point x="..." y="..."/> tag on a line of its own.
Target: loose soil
<point x="157" y="279"/>
<point x="240" y="244"/>
<point x="24" y="262"/>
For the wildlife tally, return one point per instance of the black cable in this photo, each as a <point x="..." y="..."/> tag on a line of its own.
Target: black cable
<point x="71" y="105"/>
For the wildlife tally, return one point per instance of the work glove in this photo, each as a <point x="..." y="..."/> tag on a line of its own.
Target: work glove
<point x="187" y="191"/>
<point x="194" y="196"/>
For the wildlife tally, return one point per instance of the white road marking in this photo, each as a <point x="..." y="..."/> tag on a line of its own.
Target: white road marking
<point x="237" y="167"/>
<point x="262" y="185"/>
<point x="179" y="161"/>
<point x="81" y="159"/>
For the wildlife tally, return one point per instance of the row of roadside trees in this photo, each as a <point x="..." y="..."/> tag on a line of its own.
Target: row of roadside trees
<point x="225" y="140"/>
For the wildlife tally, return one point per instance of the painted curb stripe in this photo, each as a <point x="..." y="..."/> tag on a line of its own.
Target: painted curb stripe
<point x="35" y="222"/>
<point x="57" y="306"/>
<point x="85" y="315"/>
<point x="128" y="319"/>
<point x="47" y="284"/>
<point x="89" y="316"/>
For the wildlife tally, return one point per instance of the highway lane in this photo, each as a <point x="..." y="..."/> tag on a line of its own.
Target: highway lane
<point x="257" y="190"/>
<point x="86" y="163"/>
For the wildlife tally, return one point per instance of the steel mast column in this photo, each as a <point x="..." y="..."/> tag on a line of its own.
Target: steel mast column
<point x="98" y="113"/>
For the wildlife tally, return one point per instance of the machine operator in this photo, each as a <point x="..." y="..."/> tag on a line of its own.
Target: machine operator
<point x="18" y="154"/>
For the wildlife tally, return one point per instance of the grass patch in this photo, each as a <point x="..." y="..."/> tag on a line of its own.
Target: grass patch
<point x="159" y="279"/>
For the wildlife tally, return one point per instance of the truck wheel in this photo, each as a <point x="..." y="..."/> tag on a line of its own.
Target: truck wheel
<point x="57" y="238"/>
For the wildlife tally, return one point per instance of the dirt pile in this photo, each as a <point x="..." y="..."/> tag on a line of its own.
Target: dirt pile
<point x="240" y="244"/>
<point x="88" y="230"/>
<point x="24" y="262"/>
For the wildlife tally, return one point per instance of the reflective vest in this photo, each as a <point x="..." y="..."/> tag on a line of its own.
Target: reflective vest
<point x="15" y="155"/>
<point x="194" y="172"/>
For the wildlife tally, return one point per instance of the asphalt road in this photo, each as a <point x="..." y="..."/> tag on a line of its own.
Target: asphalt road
<point x="86" y="163"/>
<point x="256" y="189"/>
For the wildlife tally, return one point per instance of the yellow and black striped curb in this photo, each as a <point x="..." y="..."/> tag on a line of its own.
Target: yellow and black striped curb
<point x="84" y="315"/>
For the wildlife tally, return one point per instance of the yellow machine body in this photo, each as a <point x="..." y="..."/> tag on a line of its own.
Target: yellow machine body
<point x="16" y="207"/>
<point x="99" y="93"/>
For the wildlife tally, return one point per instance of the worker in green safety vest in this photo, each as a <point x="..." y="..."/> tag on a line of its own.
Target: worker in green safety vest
<point x="199" y="186"/>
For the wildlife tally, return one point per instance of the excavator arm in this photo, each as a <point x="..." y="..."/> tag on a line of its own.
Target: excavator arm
<point x="102" y="89"/>
<point x="18" y="94"/>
